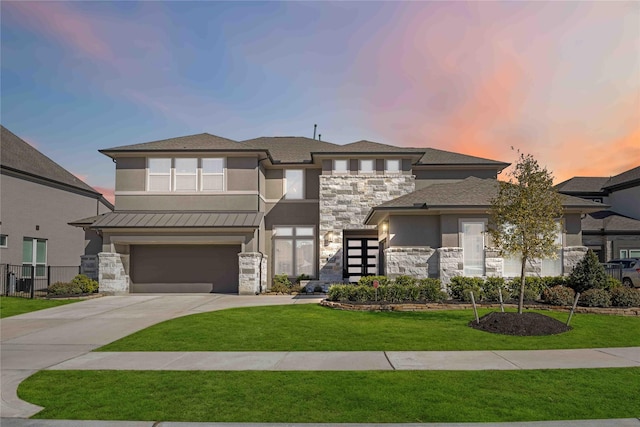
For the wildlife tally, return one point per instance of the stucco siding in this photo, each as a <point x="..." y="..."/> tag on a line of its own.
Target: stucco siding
<point x="37" y="211"/>
<point x="626" y="202"/>
<point x="187" y="202"/>
<point x="409" y="231"/>
<point x="130" y="174"/>
<point x="274" y="184"/>
<point x="573" y="230"/>
<point x="241" y="174"/>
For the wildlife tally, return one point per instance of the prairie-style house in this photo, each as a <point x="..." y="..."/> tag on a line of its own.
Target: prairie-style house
<point x="202" y="213"/>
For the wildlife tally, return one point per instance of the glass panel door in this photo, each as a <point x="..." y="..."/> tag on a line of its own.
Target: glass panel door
<point x="473" y="248"/>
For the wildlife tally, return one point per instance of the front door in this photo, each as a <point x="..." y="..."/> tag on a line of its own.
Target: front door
<point x="361" y="258"/>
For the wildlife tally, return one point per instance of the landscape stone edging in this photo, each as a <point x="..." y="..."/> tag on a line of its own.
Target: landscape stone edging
<point x="616" y="311"/>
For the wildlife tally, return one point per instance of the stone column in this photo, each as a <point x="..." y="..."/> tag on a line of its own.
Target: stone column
<point x="450" y="264"/>
<point x="112" y="277"/>
<point x="251" y="275"/>
<point x="416" y="262"/>
<point x="572" y="255"/>
<point x="493" y="263"/>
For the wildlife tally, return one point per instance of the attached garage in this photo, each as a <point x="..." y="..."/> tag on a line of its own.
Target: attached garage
<point x="184" y="268"/>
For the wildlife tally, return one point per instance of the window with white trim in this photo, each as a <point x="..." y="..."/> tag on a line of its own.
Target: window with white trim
<point x="367" y="166"/>
<point x="34" y="253"/>
<point x="159" y="175"/>
<point x="629" y="253"/>
<point x="294" y="250"/>
<point x="392" y="166"/>
<point x="186" y="174"/>
<point x="3" y="240"/>
<point x="293" y="184"/>
<point x="549" y="267"/>
<point x="212" y="174"/>
<point x="472" y="242"/>
<point x="341" y="167"/>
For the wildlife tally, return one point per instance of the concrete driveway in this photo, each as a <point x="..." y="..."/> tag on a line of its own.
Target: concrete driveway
<point x="37" y="340"/>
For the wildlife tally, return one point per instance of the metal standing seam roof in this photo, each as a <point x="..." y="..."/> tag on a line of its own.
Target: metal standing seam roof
<point x="179" y="220"/>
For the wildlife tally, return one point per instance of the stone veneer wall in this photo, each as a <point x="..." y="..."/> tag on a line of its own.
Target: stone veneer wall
<point x="450" y="264"/>
<point x="493" y="263"/>
<point x="112" y="277"/>
<point x="571" y="255"/>
<point x="345" y="201"/>
<point x="420" y="263"/>
<point x="252" y="277"/>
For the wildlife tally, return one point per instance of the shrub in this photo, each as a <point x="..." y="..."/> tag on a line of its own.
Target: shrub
<point x="405" y="281"/>
<point x="282" y="284"/>
<point x="362" y="293"/>
<point x="368" y="280"/>
<point x="337" y="293"/>
<point x="595" y="298"/>
<point x="588" y="274"/>
<point x="558" y="295"/>
<point x="551" y="281"/>
<point x="87" y="285"/>
<point x="612" y="283"/>
<point x="302" y="277"/>
<point x="461" y="287"/>
<point x="64" y="288"/>
<point x="625" y="297"/>
<point x="430" y="290"/>
<point x="280" y="288"/>
<point x="491" y="289"/>
<point x="533" y="287"/>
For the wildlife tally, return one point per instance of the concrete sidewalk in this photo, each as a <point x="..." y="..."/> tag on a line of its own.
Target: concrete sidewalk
<point x="15" y="422"/>
<point x="355" y="360"/>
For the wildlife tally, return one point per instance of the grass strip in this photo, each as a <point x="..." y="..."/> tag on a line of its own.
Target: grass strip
<point x="317" y="328"/>
<point x="12" y="306"/>
<point x="336" y="397"/>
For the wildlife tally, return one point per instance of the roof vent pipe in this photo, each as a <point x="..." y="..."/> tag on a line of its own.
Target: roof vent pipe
<point x="319" y="137"/>
<point x="314" y="131"/>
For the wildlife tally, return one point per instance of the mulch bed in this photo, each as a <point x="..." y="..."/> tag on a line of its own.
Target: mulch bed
<point x="525" y="324"/>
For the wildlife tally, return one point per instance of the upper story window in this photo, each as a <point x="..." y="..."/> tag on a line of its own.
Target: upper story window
<point x="341" y="166"/>
<point x="392" y="166"/>
<point x="293" y="184"/>
<point x="3" y="240"/>
<point x="185" y="174"/>
<point x="159" y="178"/>
<point x="34" y="254"/>
<point x="367" y="166"/>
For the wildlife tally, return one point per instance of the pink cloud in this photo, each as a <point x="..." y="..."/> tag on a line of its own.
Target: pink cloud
<point x="61" y="21"/>
<point x="108" y="193"/>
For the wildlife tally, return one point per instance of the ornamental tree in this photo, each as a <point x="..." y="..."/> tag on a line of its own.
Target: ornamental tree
<point x="524" y="214"/>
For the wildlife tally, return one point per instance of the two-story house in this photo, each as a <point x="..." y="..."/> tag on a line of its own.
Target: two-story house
<point x="202" y="213"/>
<point x="613" y="232"/>
<point x="38" y="200"/>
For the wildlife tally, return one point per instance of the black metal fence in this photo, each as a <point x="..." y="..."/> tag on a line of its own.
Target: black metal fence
<point x="613" y="270"/>
<point x="27" y="281"/>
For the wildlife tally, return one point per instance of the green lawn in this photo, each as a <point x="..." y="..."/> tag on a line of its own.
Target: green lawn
<point x="12" y="306"/>
<point x="332" y="397"/>
<point x="316" y="328"/>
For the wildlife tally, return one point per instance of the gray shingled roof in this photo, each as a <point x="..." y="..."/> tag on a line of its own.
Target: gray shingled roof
<point x="17" y="155"/>
<point x="628" y="177"/>
<point x="469" y="192"/>
<point x="433" y="156"/>
<point x="202" y="141"/>
<point x="609" y="221"/>
<point x="583" y="184"/>
<point x="179" y="220"/>
<point x="364" y="146"/>
<point x="290" y="149"/>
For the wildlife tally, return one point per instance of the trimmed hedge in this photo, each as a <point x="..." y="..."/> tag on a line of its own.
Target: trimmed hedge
<point x="625" y="297"/>
<point x="559" y="295"/>
<point x="80" y="285"/>
<point x="595" y="298"/>
<point x="389" y="291"/>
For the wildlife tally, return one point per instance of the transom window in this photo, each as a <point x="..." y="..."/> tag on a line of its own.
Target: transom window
<point x="392" y="166"/>
<point x="294" y="184"/>
<point x="629" y="253"/>
<point x="367" y="166"/>
<point x="294" y="250"/>
<point x="185" y="174"/>
<point x="341" y="166"/>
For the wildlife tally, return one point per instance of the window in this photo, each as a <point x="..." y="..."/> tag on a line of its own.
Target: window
<point x="159" y="175"/>
<point x="472" y="236"/>
<point x="3" y="240"/>
<point x="367" y="166"/>
<point x="212" y="174"/>
<point x="392" y="166"/>
<point x="341" y="166"/>
<point x="553" y="267"/>
<point x="294" y="250"/>
<point x="629" y="253"/>
<point x="34" y="253"/>
<point x="293" y="184"/>
<point x="186" y="174"/>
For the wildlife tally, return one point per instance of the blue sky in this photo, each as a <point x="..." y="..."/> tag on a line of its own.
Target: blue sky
<point x="561" y="81"/>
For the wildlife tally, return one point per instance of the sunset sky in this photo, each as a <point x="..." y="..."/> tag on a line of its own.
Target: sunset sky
<point x="559" y="80"/>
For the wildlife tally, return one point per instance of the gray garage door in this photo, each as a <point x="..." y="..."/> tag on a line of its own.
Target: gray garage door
<point x="184" y="268"/>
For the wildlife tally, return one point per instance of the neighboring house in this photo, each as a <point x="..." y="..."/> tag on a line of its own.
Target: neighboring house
<point x="202" y="213"/>
<point x="38" y="200"/>
<point x="613" y="232"/>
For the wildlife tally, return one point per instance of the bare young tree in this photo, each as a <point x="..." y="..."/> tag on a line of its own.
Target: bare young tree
<point x="524" y="215"/>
